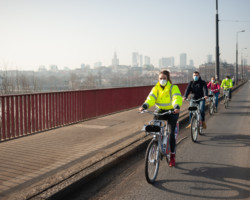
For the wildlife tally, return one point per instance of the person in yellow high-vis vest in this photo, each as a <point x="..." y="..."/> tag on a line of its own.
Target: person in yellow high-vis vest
<point x="166" y="96"/>
<point x="227" y="83"/>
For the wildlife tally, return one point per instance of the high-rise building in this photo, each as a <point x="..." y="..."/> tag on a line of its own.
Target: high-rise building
<point x="191" y="63"/>
<point x="135" y="59"/>
<point x="170" y="61"/>
<point x="163" y="62"/>
<point x="166" y="62"/>
<point x="115" y="61"/>
<point x="209" y="58"/>
<point x="146" y="60"/>
<point x="140" y="60"/>
<point x="183" y="60"/>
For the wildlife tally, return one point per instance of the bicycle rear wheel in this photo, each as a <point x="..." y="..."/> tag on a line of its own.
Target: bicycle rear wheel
<point x="211" y="108"/>
<point x="194" y="128"/>
<point x="152" y="161"/>
<point x="226" y="102"/>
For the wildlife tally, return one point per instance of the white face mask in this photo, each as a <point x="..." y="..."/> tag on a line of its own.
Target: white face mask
<point x="226" y="78"/>
<point x="213" y="81"/>
<point x="163" y="82"/>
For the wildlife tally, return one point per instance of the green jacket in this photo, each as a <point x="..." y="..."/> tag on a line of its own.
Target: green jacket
<point x="165" y="99"/>
<point x="226" y="84"/>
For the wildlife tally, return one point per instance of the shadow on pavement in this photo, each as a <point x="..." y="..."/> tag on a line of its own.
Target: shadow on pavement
<point x="222" y="181"/>
<point x="226" y="140"/>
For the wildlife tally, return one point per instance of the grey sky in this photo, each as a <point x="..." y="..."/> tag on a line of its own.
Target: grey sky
<point x="71" y="32"/>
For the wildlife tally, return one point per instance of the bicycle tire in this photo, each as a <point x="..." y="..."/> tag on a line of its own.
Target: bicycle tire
<point x="226" y="103"/>
<point x="211" y="108"/>
<point x="152" y="161"/>
<point x="194" y="128"/>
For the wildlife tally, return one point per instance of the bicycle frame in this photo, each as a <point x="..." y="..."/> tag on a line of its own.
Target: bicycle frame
<point x="163" y="124"/>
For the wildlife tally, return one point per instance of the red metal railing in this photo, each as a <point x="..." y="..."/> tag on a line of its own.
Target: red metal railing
<point x="30" y="113"/>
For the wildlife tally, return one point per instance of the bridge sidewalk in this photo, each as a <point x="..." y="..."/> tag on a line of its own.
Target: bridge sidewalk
<point x="39" y="165"/>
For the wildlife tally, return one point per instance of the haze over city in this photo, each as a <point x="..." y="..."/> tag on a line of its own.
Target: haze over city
<point x="71" y="33"/>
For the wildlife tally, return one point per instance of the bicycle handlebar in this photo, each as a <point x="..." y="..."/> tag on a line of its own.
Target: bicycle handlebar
<point x="195" y="100"/>
<point x="159" y="114"/>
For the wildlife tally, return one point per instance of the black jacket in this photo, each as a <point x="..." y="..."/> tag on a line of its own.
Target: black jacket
<point x="198" y="89"/>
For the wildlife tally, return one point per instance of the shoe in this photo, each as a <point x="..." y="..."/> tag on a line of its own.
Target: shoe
<point x="204" y="125"/>
<point x="172" y="160"/>
<point x="188" y="126"/>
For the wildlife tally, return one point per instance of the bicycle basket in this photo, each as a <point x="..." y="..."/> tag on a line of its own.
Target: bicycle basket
<point x="192" y="108"/>
<point x="152" y="128"/>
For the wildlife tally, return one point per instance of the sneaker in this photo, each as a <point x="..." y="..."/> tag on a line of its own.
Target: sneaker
<point x="172" y="160"/>
<point x="204" y="125"/>
<point x="188" y="126"/>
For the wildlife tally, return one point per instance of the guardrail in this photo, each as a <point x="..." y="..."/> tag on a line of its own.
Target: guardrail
<point x="31" y="113"/>
<point x="26" y="114"/>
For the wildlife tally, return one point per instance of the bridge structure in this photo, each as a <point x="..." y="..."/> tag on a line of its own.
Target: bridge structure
<point x="71" y="137"/>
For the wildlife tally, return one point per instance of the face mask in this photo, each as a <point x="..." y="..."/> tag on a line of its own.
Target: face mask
<point x="163" y="82"/>
<point x="226" y="78"/>
<point x="213" y="81"/>
<point x="195" y="78"/>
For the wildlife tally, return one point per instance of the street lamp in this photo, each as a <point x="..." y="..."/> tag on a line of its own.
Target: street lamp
<point x="245" y="67"/>
<point x="217" y="50"/>
<point x="242" y="63"/>
<point x="236" y="67"/>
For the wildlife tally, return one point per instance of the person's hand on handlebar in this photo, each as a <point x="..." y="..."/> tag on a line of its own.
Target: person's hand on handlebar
<point x="184" y="98"/>
<point x="176" y="111"/>
<point x="205" y="97"/>
<point x="141" y="109"/>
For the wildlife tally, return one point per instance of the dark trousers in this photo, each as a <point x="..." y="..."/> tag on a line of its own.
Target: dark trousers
<point x="172" y="119"/>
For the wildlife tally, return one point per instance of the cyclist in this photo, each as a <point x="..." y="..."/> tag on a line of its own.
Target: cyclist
<point x="227" y="83"/>
<point x="166" y="97"/>
<point x="198" y="89"/>
<point x="215" y="88"/>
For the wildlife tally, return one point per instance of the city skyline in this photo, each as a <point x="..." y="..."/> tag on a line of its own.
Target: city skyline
<point x="70" y="33"/>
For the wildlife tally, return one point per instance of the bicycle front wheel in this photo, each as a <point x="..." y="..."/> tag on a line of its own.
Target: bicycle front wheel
<point x="152" y="161"/>
<point x="211" y="108"/>
<point x="194" y="128"/>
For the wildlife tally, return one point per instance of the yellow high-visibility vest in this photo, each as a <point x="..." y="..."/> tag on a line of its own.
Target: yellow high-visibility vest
<point x="165" y="99"/>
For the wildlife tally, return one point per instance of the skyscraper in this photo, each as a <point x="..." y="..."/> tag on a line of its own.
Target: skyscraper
<point x="209" y="58"/>
<point x="183" y="60"/>
<point x="115" y="61"/>
<point x="147" y="60"/>
<point x="135" y="59"/>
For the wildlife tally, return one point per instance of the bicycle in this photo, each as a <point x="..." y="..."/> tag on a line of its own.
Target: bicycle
<point x="158" y="147"/>
<point x="212" y="107"/>
<point x="196" y="126"/>
<point x="226" y="97"/>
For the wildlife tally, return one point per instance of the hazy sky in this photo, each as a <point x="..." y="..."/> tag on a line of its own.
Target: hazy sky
<point x="71" y="32"/>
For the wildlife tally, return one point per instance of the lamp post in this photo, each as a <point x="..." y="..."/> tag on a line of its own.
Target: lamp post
<point x="236" y="66"/>
<point x="245" y="67"/>
<point x="217" y="50"/>
<point x="242" y="63"/>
